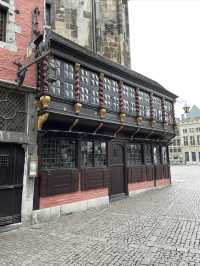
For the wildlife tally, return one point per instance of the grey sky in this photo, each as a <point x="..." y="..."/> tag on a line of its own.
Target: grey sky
<point x="165" y="45"/>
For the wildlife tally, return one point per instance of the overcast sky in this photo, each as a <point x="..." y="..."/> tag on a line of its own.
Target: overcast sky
<point x="165" y="45"/>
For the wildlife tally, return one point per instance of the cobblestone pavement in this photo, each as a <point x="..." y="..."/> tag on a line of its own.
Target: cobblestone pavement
<point x="159" y="227"/>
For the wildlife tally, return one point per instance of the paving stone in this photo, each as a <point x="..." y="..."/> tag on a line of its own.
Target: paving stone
<point x="160" y="227"/>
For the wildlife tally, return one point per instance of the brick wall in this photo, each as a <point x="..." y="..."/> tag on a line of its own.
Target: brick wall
<point x="22" y="27"/>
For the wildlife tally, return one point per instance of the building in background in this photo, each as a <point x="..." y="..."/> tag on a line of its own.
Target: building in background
<point x="185" y="148"/>
<point x="99" y="25"/>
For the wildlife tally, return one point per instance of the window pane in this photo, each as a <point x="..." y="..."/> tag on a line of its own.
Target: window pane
<point x="67" y="154"/>
<point x="194" y="156"/>
<point x="3" y="13"/>
<point x="100" y="155"/>
<point x="148" y="154"/>
<point x="164" y="155"/>
<point x="58" y="153"/>
<point x="48" y="14"/>
<point x="187" y="157"/>
<point x="156" y="154"/>
<point x="89" y="87"/>
<point x="129" y="99"/>
<point x="111" y="94"/>
<point x="169" y="111"/>
<point x="87" y="154"/>
<point x="134" y="154"/>
<point x="145" y="104"/>
<point x="157" y="108"/>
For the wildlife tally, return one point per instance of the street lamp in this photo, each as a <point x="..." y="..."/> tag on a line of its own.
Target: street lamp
<point x="186" y="108"/>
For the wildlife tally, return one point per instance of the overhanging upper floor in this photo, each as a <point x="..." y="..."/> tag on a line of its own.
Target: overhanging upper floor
<point x="92" y="93"/>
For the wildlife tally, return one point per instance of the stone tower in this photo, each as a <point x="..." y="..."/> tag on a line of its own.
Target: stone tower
<point x="100" y="25"/>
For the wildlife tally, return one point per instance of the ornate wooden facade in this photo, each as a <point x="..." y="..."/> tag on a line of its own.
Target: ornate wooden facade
<point x="101" y="125"/>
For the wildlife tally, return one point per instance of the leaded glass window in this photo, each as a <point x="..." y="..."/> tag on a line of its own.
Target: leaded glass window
<point x="93" y="153"/>
<point x="100" y="153"/>
<point x="134" y="152"/>
<point x="148" y="153"/>
<point x="61" y="75"/>
<point x="157" y="104"/>
<point x="145" y="104"/>
<point x="164" y="154"/>
<point x="156" y="154"/>
<point x="169" y="111"/>
<point x="89" y="87"/>
<point x="111" y="94"/>
<point x="87" y="154"/>
<point x="58" y="153"/>
<point x="129" y="99"/>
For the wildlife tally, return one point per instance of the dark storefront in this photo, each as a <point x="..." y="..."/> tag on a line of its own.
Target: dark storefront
<point x="103" y="129"/>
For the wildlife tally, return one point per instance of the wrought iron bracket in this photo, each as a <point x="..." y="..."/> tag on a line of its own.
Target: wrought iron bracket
<point x="22" y="68"/>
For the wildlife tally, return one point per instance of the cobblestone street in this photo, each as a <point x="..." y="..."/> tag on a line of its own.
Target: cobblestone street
<point x="159" y="227"/>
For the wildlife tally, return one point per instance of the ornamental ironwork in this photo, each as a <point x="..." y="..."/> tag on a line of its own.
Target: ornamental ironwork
<point x="12" y="111"/>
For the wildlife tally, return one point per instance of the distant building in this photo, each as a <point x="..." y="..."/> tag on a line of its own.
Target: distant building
<point x="185" y="148"/>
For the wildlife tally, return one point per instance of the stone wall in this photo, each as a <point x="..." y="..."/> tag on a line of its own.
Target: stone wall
<point x="106" y="31"/>
<point x="74" y="21"/>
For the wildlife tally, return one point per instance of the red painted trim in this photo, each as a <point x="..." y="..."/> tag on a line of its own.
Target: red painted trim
<point x="162" y="182"/>
<point x="61" y="199"/>
<point x="140" y="185"/>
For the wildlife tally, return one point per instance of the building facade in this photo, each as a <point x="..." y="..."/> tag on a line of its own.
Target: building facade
<point x="102" y="129"/>
<point x="99" y="25"/>
<point x="18" y="133"/>
<point x="185" y="148"/>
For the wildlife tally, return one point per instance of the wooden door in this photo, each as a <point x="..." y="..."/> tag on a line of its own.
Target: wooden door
<point x="11" y="182"/>
<point x="117" y="184"/>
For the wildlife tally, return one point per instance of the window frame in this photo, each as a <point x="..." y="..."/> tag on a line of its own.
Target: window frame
<point x="94" y="161"/>
<point x="4" y="13"/>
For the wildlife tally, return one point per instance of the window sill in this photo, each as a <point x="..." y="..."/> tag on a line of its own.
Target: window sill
<point x="8" y="46"/>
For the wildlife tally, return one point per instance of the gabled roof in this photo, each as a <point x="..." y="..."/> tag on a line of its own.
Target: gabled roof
<point x="194" y="112"/>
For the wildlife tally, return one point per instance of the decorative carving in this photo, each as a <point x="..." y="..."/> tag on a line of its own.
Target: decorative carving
<point x="102" y="113"/>
<point x="122" y="117"/>
<point x="74" y="124"/>
<point x="77" y="82"/>
<point x="42" y="119"/>
<point x="139" y="120"/>
<point x="101" y="90"/>
<point x="45" y="101"/>
<point x="174" y="117"/>
<point x="77" y="108"/>
<point x="152" y="118"/>
<point x="118" y="130"/>
<point x="165" y="123"/>
<point x="121" y="102"/>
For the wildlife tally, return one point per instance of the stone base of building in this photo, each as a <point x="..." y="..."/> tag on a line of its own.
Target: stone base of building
<point x="140" y="187"/>
<point x="55" y="206"/>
